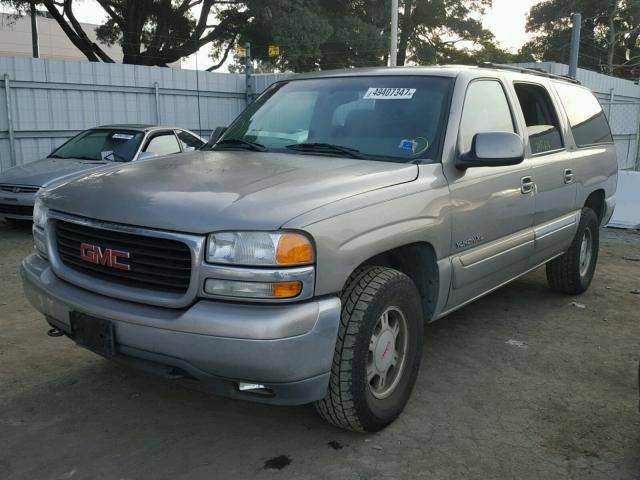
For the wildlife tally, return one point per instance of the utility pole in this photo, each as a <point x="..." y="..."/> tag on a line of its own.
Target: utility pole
<point x="34" y="30"/>
<point x="575" y="44"/>
<point x="393" y="53"/>
<point x="247" y="71"/>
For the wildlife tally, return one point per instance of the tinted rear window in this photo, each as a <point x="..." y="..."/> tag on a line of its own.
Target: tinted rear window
<point x="588" y="122"/>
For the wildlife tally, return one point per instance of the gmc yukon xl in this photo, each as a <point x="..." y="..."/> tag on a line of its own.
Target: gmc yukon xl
<point x="296" y="259"/>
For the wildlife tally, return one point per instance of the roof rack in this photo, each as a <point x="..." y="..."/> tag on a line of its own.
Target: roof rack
<point x="531" y="71"/>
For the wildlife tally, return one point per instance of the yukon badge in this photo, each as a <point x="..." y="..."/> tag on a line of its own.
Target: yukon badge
<point x="469" y="242"/>
<point x="107" y="257"/>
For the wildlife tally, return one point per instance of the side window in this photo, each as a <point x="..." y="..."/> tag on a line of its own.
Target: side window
<point x="163" y="144"/>
<point x="485" y="110"/>
<point x="540" y="116"/>
<point x="188" y="140"/>
<point x="588" y="122"/>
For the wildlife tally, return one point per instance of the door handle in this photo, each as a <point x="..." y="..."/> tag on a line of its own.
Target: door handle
<point x="568" y="176"/>
<point x="527" y="185"/>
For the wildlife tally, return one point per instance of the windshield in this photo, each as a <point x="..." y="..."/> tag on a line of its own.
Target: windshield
<point x="102" y="144"/>
<point x="393" y="118"/>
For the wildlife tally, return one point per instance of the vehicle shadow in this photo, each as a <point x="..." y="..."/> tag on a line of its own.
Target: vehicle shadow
<point x="15" y="227"/>
<point x="511" y="377"/>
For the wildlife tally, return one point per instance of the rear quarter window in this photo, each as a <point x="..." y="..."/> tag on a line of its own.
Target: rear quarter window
<point x="588" y="122"/>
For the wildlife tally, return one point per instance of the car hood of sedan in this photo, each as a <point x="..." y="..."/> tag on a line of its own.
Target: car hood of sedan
<point x="42" y="173"/>
<point x="202" y="192"/>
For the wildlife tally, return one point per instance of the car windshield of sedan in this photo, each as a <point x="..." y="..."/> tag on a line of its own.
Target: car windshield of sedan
<point x="101" y="145"/>
<point x="390" y="118"/>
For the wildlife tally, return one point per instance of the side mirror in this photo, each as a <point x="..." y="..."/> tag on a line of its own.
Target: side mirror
<point x="493" y="149"/>
<point x="145" y="155"/>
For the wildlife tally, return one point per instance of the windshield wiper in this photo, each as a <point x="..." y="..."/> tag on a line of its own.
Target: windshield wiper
<point x="115" y="156"/>
<point x="239" y="143"/>
<point x="327" y="148"/>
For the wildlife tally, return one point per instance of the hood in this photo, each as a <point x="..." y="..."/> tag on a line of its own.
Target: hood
<point x="44" y="172"/>
<point x="201" y="192"/>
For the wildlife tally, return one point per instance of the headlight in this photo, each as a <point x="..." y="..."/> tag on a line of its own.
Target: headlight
<point x="259" y="248"/>
<point x="39" y="213"/>
<point x="39" y="222"/>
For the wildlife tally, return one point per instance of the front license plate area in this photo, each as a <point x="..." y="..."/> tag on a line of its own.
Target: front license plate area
<point x="93" y="333"/>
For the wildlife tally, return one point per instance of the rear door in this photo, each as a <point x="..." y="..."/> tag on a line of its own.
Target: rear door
<point x="552" y="169"/>
<point x="492" y="207"/>
<point x="592" y="145"/>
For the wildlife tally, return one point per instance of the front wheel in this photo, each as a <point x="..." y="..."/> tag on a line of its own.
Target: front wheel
<point x="572" y="272"/>
<point x="377" y="353"/>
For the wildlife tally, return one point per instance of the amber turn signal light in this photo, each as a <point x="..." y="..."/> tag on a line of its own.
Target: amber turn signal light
<point x="286" y="289"/>
<point x="294" y="249"/>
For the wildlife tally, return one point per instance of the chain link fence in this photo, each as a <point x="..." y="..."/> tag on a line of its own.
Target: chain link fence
<point x="624" y="118"/>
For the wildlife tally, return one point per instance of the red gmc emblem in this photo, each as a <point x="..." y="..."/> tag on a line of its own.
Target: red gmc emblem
<point x="107" y="257"/>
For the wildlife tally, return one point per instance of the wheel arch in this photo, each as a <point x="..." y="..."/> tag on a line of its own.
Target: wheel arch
<point x="596" y="202"/>
<point x="419" y="262"/>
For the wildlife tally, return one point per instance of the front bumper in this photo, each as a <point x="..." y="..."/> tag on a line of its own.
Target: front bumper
<point x="17" y="206"/>
<point x="287" y="348"/>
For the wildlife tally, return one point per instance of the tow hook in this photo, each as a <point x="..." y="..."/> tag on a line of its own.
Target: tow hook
<point x="54" y="332"/>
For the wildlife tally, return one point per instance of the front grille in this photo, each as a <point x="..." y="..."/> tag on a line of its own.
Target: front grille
<point x="24" y="210"/>
<point x="18" y="188"/>
<point x="155" y="263"/>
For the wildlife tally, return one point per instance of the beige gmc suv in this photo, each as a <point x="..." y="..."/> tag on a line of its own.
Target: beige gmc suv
<point x="296" y="259"/>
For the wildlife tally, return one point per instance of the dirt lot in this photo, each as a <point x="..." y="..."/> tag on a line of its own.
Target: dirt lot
<point x="519" y="385"/>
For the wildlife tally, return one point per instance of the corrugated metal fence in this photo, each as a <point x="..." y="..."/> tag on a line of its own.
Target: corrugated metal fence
<point x="620" y="99"/>
<point x="52" y="100"/>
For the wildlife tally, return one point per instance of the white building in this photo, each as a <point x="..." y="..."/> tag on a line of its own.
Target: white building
<point x="15" y="39"/>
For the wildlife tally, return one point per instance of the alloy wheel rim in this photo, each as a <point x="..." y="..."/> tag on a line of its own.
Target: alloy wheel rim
<point x="387" y="353"/>
<point x="585" y="252"/>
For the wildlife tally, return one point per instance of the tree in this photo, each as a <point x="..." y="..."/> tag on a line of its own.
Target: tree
<point x="432" y="31"/>
<point x="609" y="38"/>
<point x="315" y="34"/>
<point x="151" y="32"/>
<point x="318" y="34"/>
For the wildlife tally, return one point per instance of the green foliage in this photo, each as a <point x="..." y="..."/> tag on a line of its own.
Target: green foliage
<point x="326" y="34"/>
<point x="151" y="32"/>
<point x="312" y="34"/>
<point x="609" y="38"/>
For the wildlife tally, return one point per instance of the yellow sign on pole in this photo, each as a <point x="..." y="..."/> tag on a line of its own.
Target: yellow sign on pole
<point x="274" y="51"/>
<point x="241" y="52"/>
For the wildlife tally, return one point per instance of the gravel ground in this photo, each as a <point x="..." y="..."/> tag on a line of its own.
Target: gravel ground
<point x="521" y="384"/>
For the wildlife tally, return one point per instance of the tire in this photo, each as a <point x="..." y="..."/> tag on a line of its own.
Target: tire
<point x="572" y="272"/>
<point x="354" y="400"/>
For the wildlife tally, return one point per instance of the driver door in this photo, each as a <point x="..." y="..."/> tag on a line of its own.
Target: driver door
<point x="492" y="207"/>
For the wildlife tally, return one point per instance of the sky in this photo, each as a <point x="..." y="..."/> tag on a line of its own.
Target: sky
<point x="506" y="19"/>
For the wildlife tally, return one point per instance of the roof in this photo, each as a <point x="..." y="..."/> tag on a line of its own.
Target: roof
<point x="132" y="126"/>
<point x="432" y="70"/>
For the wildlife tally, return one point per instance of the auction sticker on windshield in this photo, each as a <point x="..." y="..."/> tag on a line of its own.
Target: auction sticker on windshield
<point x="390" y="93"/>
<point x="122" y="136"/>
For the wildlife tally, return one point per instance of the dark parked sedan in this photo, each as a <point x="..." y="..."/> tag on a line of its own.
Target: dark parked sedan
<point x="90" y="150"/>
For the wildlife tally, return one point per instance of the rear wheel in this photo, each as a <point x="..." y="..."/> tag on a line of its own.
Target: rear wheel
<point x="572" y="272"/>
<point x="377" y="353"/>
